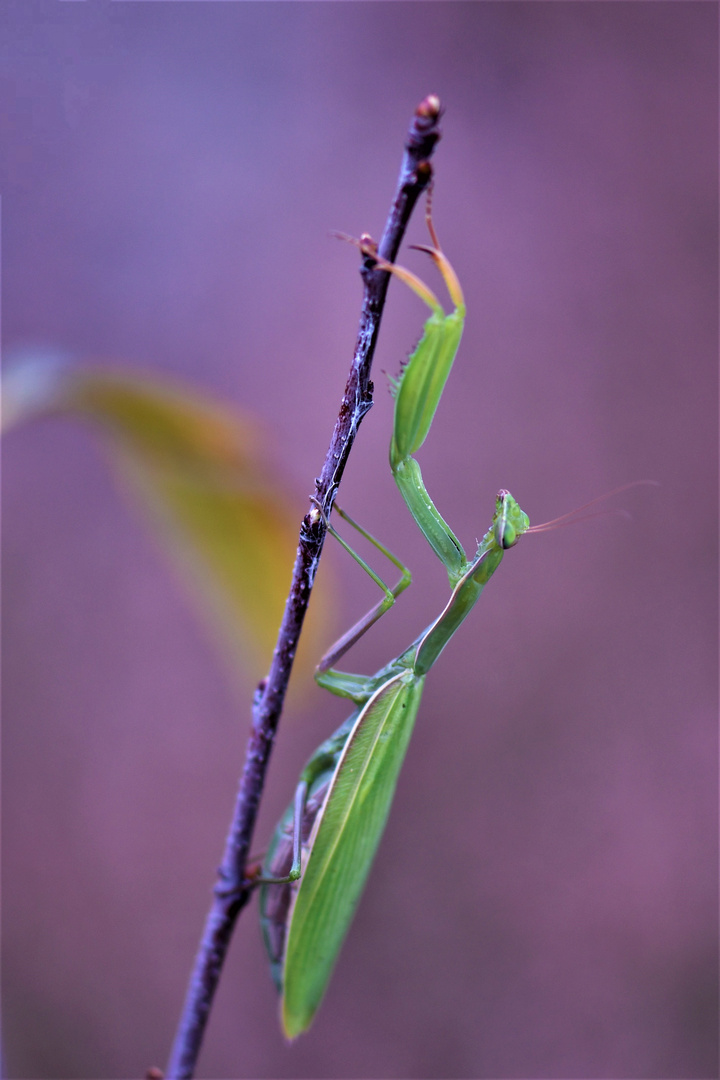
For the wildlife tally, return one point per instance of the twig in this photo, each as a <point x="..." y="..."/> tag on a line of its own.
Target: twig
<point x="232" y="892"/>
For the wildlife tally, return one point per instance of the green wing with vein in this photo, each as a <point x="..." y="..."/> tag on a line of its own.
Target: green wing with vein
<point x="342" y="850"/>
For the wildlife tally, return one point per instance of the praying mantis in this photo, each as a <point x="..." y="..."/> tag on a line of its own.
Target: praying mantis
<point x="322" y="850"/>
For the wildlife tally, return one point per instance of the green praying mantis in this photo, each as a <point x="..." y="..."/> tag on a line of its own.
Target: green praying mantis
<point x="322" y="850"/>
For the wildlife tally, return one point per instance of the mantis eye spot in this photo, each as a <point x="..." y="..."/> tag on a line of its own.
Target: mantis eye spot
<point x="509" y="537"/>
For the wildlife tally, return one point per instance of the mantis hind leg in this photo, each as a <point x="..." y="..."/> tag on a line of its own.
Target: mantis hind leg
<point x="309" y="794"/>
<point x="301" y="794"/>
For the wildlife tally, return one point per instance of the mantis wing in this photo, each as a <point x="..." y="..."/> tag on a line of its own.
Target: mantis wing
<point x="343" y="844"/>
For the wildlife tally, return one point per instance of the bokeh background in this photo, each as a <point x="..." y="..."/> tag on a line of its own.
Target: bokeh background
<point x="544" y="903"/>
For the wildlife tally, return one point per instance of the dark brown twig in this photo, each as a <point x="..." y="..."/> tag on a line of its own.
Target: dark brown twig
<point x="232" y="891"/>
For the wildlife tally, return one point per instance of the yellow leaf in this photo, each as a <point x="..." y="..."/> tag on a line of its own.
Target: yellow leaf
<point x="199" y="472"/>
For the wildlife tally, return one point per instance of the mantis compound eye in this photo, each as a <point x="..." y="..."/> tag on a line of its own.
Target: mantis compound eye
<point x="510" y="521"/>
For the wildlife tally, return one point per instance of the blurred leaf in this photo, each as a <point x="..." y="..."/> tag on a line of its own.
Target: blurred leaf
<point x="198" y="469"/>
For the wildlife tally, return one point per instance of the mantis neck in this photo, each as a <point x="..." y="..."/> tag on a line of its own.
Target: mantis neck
<point x="464" y="597"/>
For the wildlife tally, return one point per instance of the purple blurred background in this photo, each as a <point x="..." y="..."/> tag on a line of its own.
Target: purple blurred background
<point x="544" y="903"/>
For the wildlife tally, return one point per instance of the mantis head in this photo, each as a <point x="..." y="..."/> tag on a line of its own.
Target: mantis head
<point x="509" y="522"/>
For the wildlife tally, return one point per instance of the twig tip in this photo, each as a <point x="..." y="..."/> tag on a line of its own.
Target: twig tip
<point x="429" y="107"/>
